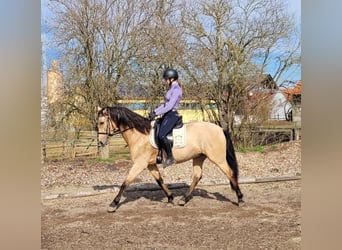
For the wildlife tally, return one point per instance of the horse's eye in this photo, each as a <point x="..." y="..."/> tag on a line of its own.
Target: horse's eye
<point x="101" y="123"/>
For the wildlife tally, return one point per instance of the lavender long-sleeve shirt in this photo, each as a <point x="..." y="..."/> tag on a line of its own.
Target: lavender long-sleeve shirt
<point x="172" y="99"/>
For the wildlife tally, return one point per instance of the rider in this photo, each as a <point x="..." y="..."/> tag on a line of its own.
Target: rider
<point x="169" y="113"/>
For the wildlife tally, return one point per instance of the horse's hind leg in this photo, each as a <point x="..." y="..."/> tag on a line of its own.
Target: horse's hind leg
<point x="157" y="176"/>
<point x="197" y="176"/>
<point x="232" y="180"/>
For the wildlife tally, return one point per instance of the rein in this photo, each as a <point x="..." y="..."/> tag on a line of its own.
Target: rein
<point x="116" y="132"/>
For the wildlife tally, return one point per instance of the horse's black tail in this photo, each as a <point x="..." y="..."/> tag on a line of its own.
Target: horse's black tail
<point x="231" y="157"/>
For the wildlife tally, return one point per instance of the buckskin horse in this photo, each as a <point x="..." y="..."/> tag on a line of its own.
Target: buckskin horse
<point x="204" y="140"/>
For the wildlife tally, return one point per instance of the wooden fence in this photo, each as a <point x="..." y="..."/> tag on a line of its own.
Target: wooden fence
<point x="83" y="147"/>
<point x="87" y="145"/>
<point x="274" y="134"/>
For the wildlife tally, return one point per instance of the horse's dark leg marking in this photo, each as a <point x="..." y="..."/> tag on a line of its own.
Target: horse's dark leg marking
<point x="187" y="195"/>
<point x="135" y="170"/>
<point x="233" y="165"/>
<point x="239" y="194"/>
<point x="197" y="176"/>
<point x="233" y="180"/>
<point x="157" y="176"/>
<point x="235" y="186"/>
<point x="168" y="194"/>
<point x="114" y="205"/>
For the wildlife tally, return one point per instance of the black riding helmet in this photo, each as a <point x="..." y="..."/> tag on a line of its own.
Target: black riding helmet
<point x="170" y="73"/>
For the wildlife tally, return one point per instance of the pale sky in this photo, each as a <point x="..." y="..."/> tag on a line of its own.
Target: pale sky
<point x="294" y="6"/>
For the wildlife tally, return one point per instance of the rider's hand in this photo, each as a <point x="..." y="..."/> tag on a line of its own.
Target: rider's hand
<point x="151" y="115"/>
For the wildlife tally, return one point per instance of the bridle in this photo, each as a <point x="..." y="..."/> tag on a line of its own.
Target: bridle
<point x="112" y="132"/>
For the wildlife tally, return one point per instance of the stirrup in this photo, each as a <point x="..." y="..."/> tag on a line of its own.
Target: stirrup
<point x="159" y="158"/>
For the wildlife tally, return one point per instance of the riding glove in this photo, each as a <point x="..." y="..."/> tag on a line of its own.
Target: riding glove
<point x="151" y="115"/>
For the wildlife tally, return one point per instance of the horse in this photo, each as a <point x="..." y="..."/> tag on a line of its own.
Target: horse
<point x="204" y="140"/>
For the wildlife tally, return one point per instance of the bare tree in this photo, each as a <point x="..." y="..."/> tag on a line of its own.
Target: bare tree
<point x="98" y="39"/>
<point x="162" y="47"/>
<point x="222" y="48"/>
<point x="231" y="43"/>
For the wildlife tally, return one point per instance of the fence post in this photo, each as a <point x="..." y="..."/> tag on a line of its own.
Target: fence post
<point x="295" y="132"/>
<point x="63" y="147"/>
<point x="104" y="150"/>
<point x="73" y="149"/>
<point x="43" y="152"/>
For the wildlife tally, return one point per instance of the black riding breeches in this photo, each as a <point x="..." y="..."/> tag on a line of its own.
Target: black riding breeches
<point x="169" y="120"/>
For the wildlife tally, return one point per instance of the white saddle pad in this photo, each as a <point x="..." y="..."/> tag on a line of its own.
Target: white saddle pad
<point x="178" y="135"/>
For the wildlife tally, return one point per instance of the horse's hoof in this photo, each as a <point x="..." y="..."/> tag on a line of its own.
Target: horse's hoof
<point x="170" y="199"/>
<point x="111" y="209"/>
<point x="181" y="202"/>
<point x="240" y="203"/>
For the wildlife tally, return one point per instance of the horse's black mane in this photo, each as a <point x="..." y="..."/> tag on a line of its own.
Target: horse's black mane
<point x="127" y="118"/>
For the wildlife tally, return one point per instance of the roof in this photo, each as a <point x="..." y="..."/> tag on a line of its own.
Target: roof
<point x="295" y="91"/>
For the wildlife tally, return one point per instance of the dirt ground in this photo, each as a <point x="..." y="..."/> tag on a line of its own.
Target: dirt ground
<point x="269" y="219"/>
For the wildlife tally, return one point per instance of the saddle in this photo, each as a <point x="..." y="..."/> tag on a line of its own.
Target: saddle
<point x="176" y="137"/>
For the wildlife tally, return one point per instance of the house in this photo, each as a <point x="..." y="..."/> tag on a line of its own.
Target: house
<point x="294" y="96"/>
<point x="266" y="101"/>
<point x="280" y="107"/>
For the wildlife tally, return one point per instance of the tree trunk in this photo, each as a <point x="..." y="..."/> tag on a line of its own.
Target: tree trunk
<point x="104" y="151"/>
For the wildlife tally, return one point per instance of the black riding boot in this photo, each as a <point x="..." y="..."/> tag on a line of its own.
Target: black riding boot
<point x="168" y="150"/>
<point x="160" y="156"/>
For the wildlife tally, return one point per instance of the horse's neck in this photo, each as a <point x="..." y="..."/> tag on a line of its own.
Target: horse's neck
<point x="131" y="136"/>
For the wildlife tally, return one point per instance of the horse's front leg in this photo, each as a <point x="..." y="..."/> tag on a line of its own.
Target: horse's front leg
<point x="114" y="205"/>
<point x="135" y="170"/>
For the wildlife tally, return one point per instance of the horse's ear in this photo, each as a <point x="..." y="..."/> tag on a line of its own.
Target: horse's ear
<point x="98" y="108"/>
<point x="105" y="111"/>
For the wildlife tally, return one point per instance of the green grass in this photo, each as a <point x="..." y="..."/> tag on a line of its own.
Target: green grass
<point x="121" y="156"/>
<point x="259" y="149"/>
<point x="98" y="159"/>
<point x="113" y="158"/>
